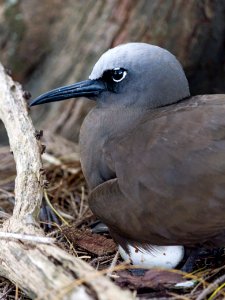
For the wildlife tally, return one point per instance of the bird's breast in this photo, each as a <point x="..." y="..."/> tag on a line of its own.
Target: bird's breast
<point x="93" y="137"/>
<point x="101" y="127"/>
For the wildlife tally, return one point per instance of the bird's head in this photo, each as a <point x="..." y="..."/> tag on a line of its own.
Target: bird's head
<point x="130" y="75"/>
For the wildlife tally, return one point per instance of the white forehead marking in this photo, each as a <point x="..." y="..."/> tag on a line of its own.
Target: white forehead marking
<point x="124" y="56"/>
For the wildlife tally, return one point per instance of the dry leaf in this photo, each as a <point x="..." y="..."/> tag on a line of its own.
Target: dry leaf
<point x="92" y="242"/>
<point x="154" y="279"/>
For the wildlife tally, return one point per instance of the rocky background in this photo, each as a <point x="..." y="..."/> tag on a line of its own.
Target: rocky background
<point x="50" y="43"/>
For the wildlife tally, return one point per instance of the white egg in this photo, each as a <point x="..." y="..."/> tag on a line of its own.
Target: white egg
<point x="166" y="257"/>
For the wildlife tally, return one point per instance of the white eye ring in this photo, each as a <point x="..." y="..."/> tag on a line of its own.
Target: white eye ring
<point x="123" y="76"/>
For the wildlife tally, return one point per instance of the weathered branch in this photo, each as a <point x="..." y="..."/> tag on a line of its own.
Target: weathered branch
<point x="42" y="270"/>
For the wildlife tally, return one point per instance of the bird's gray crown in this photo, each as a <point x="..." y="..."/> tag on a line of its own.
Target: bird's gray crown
<point x="155" y="77"/>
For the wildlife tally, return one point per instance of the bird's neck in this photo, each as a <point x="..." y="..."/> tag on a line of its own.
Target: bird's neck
<point x="103" y="123"/>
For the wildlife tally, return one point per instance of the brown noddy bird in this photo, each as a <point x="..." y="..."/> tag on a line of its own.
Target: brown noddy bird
<point x="153" y="156"/>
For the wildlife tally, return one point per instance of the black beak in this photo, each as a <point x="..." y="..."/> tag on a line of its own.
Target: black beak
<point x="87" y="88"/>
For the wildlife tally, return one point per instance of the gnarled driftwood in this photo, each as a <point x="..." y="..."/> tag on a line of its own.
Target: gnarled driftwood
<point x="42" y="270"/>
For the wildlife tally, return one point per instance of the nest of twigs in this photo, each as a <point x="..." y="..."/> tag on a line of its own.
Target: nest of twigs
<point x="65" y="216"/>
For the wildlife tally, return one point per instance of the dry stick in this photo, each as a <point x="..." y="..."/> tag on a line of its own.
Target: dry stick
<point x="26" y="237"/>
<point x="113" y="264"/>
<point x="213" y="286"/>
<point x="41" y="270"/>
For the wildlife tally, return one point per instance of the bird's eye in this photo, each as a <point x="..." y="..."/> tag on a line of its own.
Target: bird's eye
<point x="118" y="74"/>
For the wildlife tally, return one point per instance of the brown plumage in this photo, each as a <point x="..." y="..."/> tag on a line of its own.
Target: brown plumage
<point x="170" y="176"/>
<point x="153" y="157"/>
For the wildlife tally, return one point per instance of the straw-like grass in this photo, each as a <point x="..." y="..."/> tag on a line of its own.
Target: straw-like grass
<point x="69" y="222"/>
